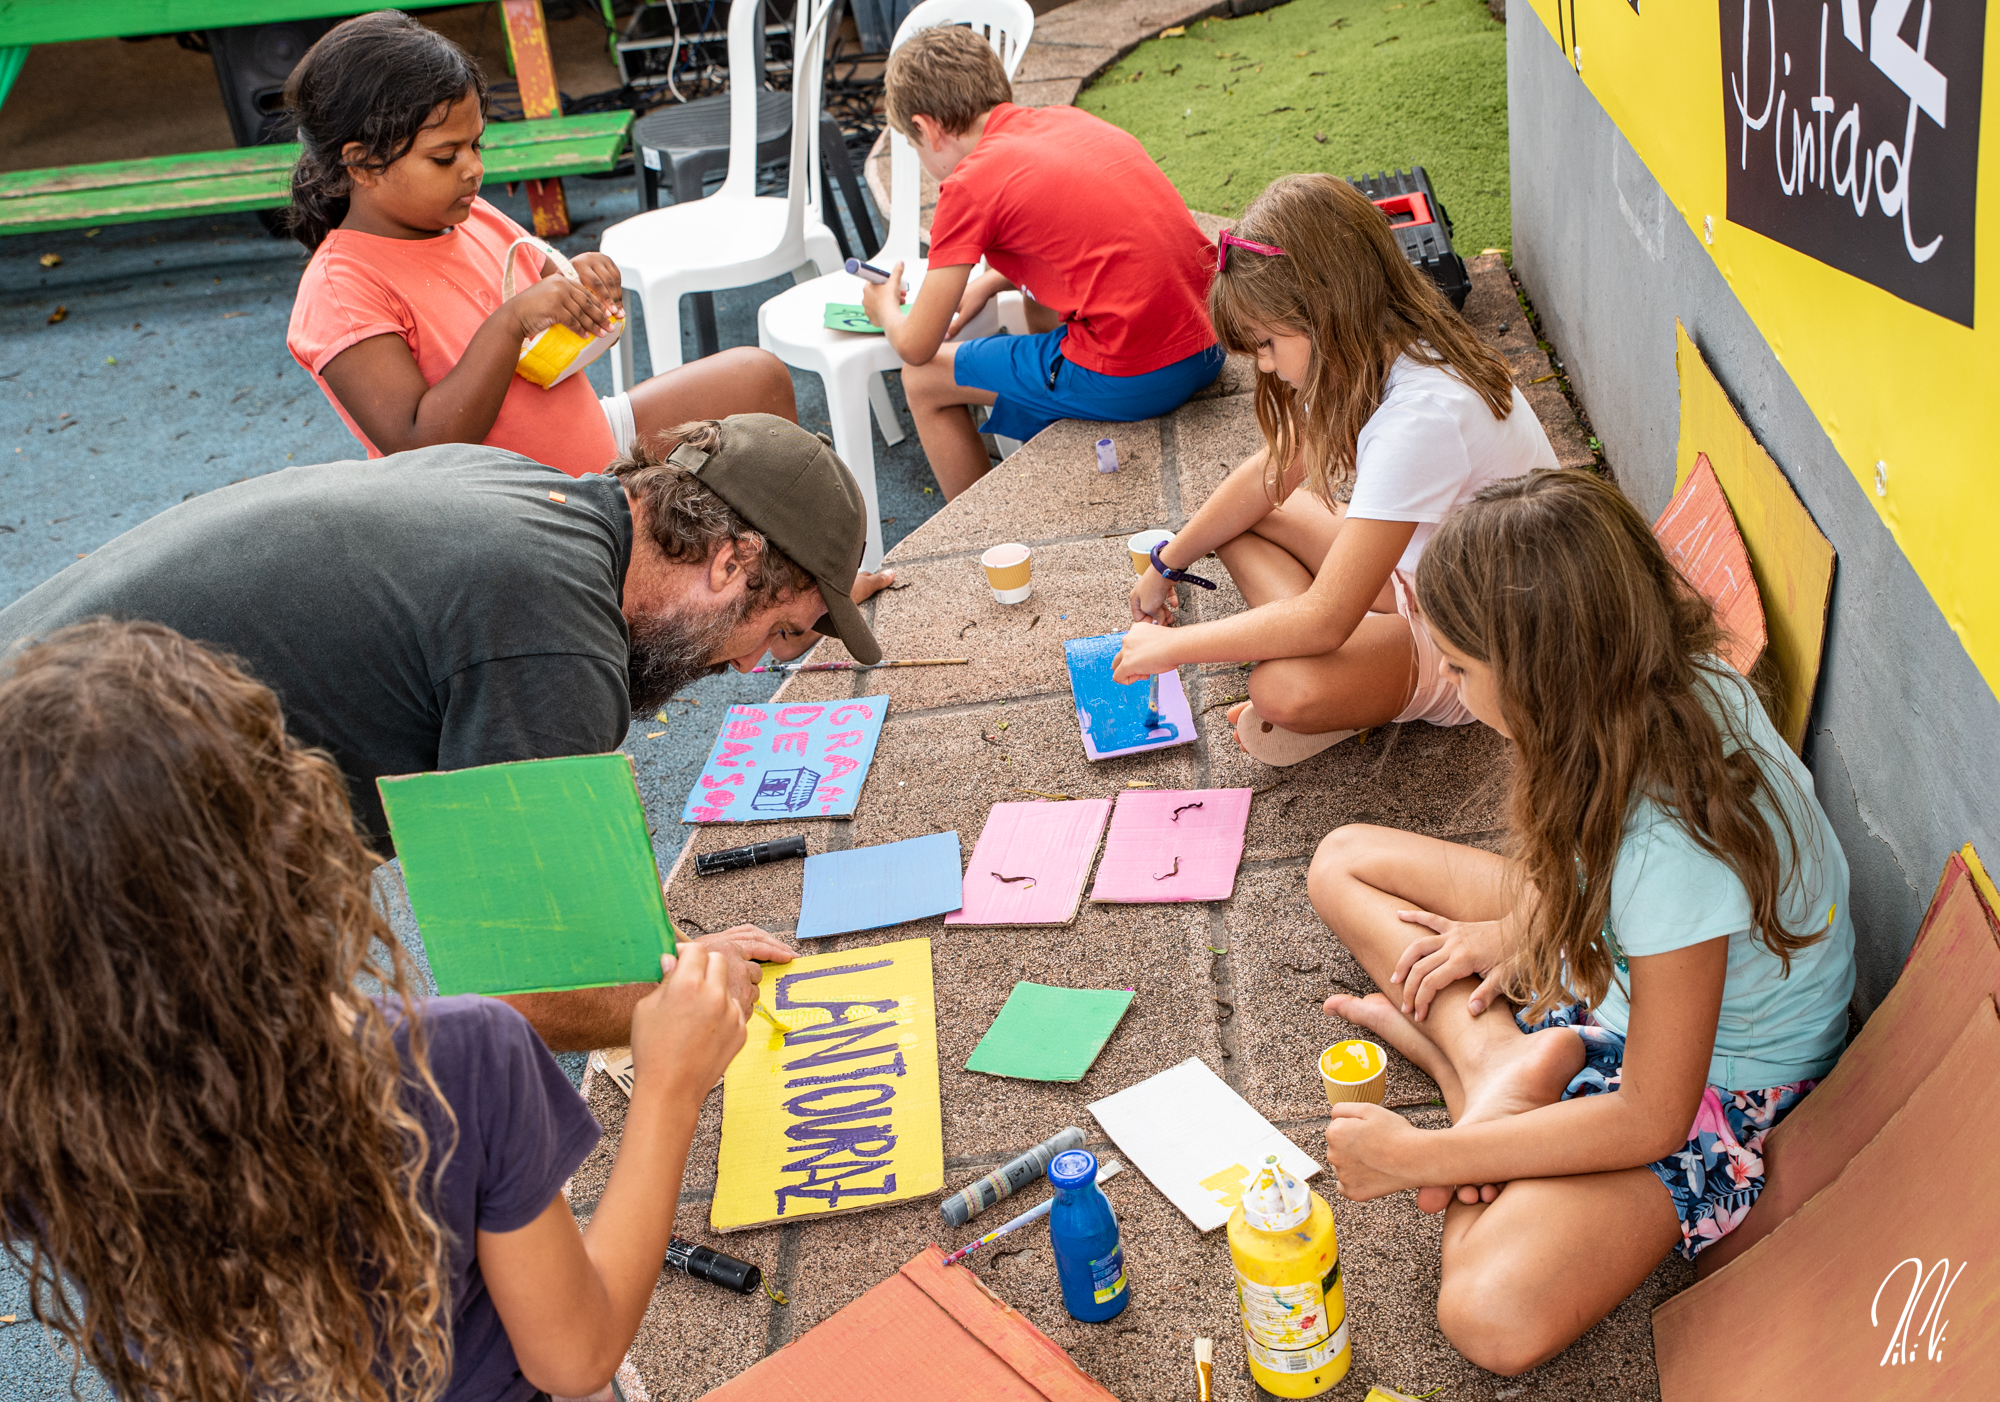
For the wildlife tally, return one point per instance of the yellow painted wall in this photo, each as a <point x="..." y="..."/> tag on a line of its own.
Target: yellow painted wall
<point x="1889" y="381"/>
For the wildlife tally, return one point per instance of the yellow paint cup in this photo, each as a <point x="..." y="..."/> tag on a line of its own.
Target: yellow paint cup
<point x="1141" y="546"/>
<point x="1007" y="570"/>
<point x="1353" y="1071"/>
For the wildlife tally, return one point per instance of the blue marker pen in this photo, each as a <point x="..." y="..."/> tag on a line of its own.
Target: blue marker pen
<point x="868" y="272"/>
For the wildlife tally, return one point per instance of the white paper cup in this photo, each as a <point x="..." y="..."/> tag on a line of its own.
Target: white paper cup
<point x="1352" y="1071"/>
<point x="1007" y="572"/>
<point x="1141" y="546"/>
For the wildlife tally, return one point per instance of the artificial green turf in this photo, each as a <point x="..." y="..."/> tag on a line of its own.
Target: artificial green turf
<point x="1234" y="103"/>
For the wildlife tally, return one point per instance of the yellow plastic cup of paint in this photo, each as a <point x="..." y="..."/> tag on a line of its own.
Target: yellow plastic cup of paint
<point x="1141" y="546"/>
<point x="1354" y="1071"/>
<point x="1007" y="569"/>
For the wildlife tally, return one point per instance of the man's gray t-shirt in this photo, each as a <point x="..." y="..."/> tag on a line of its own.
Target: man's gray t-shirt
<point x="435" y="609"/>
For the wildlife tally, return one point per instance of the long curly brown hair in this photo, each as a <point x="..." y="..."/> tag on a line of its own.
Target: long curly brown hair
<point x="1344" y="282"/>
<point x="1602" y="654"/>
<point x="208" y="1131"/>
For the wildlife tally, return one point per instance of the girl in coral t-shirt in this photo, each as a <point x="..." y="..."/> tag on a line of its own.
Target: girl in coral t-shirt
<point x="399" y="316"/>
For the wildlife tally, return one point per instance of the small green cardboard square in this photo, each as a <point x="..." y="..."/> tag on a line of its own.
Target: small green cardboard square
<point x="1049" y="1034"/>
<point x="848" y="316"/>
<point x="531" y="877"/>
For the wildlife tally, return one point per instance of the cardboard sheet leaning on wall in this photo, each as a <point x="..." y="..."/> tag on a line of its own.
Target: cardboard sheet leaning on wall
<point x="1792" y="561"/>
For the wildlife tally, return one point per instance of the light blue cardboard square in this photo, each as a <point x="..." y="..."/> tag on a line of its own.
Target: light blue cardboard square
<point x="867" y="888"/>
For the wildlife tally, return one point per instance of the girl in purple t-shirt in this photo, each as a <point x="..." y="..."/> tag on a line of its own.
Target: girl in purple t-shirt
<point x="256" y="1181"/>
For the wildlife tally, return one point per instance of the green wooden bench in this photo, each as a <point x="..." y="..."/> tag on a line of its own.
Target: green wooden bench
<point x="260" y="177"/>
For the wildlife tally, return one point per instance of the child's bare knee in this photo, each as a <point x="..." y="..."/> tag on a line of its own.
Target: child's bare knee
<point x="1474" y="1318"/>
<point x="1279" y="697"/>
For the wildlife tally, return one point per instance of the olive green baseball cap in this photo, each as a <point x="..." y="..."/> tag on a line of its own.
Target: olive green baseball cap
<point x="790" y="485"/>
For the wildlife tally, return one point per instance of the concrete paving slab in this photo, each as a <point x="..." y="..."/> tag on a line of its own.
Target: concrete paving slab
<point x="1211" y="436"/>
<point x="1283" y="964"/>
<point x="1444" y="782"/>
<point x="1013" y="649"/>
<point x="1051" y="490"/>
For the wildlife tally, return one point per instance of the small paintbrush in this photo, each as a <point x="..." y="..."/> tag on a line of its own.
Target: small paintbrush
<point x="863" y="666"/>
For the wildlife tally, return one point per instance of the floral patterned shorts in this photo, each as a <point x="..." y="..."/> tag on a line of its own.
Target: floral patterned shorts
<point x="1720" y="1171"/>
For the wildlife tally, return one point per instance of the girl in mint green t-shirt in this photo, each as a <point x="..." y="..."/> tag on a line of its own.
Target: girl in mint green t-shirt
<point x="1669" y="924"/>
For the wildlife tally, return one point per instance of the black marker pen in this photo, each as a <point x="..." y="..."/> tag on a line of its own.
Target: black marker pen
<point x="713" y="1267"/>
<point x="756" y="854"/>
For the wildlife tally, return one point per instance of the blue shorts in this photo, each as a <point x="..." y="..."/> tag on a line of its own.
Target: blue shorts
<point x="1037" y="385"/>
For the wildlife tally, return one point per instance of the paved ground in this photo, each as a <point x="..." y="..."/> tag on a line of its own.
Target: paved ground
<point x="1237" y="983"/>
<point x="114" y="421"/>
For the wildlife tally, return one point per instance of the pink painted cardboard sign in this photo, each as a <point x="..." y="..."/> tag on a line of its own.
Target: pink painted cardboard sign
<point x="1173" y="845"/>
<point x="773" y="763"/>
<point x="1050" y="845"/>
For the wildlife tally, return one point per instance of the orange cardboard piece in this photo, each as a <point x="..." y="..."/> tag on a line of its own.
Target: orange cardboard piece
<point x="1699" y="532"/>
<point x="1884" y="1287"/>
<point x="926" y="1334"/>
<point x="1954" y="964"/>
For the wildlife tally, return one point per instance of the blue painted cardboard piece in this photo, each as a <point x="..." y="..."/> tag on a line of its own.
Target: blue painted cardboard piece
<point x="867" y="888"/>
<point x="1115" y="719"/>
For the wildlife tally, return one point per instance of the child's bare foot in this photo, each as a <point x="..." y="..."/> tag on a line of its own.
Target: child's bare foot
<point x="867" y="585"/>
<point x="1382" y="1017"/>
<point x="1528" y="1073"/>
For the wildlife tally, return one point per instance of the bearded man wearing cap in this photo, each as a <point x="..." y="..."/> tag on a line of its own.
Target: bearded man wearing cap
<point x="463" y="605"/>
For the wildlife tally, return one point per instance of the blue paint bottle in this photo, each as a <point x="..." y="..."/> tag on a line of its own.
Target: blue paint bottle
<point x="1090" y="1263"/>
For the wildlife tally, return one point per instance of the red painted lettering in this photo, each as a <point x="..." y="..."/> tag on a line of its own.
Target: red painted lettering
<point x="841" y="717"/>
<point x="799" y="715"/>
<point x="741" y="730"/>
<point x="837" y="765"/>
<point x="846" y="739"/>
<point x="795" y="740"/>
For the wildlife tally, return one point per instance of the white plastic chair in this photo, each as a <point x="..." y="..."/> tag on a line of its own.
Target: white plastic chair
<point x="735" y="237"/>
<point x="792" y="325"/>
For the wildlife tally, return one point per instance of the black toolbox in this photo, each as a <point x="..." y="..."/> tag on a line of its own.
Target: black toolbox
<point x="1417" y="216"/>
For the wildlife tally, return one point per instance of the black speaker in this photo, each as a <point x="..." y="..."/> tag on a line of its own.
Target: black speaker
<point x="251" y="65"/>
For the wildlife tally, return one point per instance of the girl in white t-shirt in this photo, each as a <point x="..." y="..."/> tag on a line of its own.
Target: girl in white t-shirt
<point x="1365" y="374"/>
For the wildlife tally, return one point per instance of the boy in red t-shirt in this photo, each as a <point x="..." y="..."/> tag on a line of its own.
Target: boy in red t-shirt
<point x="1073" y="212"/>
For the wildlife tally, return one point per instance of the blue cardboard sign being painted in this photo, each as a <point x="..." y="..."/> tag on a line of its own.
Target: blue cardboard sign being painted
<point x="1119" y="720"/>
<point x="772" y="763"/>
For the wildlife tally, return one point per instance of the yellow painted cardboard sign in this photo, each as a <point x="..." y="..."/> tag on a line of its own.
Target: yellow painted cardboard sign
<point x="839" y="1112"/>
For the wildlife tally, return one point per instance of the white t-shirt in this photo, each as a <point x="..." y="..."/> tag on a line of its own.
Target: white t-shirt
<point x="1431" y="444"/>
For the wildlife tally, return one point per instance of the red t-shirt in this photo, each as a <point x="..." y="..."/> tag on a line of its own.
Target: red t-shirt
<point x="435" y="293"/>
<point x="1072" y="210"/>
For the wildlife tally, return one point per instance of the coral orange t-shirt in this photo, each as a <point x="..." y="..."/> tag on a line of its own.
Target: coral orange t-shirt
<point x="1072" y="210"/>
<point x="435" y="293"/>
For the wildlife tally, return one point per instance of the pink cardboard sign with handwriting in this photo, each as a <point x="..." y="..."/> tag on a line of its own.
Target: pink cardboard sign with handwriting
<point x="772" y="763"/>
<point x="1173" y="845"/>
<point x="1030" y="863"/>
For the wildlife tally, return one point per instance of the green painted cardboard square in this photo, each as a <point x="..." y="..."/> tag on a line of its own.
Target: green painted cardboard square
<point x="531" y="877"/>
<point x="1049" y="1034"/>
<point x="848" y="316"/>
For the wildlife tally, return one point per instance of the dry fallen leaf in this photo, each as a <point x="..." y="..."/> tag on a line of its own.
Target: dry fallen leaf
<point x="57" y="315"/>
<point x="52" y="260"/>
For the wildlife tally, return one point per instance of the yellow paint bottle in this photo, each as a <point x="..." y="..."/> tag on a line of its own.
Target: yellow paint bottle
<point x="1288" y="1288"/>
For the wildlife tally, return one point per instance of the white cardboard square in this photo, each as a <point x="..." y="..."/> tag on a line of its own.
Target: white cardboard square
<point x="1196" y="1139"/>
